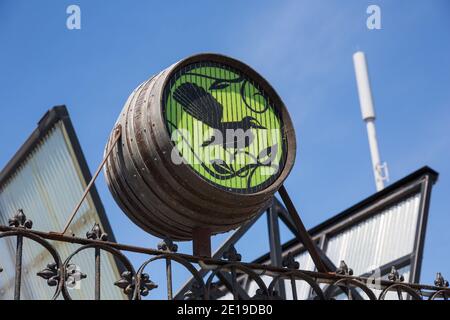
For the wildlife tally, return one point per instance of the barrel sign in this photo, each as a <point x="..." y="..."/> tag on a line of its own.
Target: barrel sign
<point x="205" y="144"/>
<point x="225" y="127"/>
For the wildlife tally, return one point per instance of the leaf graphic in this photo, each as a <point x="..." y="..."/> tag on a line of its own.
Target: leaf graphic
<point x="219" y="84"/>
<point x="221" y="167"/>
<point x="243" y="172"/>
<point x="269" y="153"/>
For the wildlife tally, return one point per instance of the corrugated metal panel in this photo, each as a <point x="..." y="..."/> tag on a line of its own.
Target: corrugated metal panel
<point x="47" y="186"/>
<point x="374" y="242"/>
<point x="378" y="240"/>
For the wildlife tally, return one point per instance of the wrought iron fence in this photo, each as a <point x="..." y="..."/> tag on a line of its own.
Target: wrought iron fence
<point x="225" y="275"/>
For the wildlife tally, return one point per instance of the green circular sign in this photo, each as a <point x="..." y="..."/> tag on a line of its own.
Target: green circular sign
<point x="225" y="127"/>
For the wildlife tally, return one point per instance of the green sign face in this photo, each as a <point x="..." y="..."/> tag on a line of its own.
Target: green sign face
<point x="224" y="127"/>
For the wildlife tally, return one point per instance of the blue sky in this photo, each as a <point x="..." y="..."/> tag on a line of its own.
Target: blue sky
<point x="304" y="48"/>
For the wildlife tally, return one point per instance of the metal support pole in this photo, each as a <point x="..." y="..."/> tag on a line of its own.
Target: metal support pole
<point x="275" y="246"/>
<point x="169" y="279"/>
<point x="368" y="114"/>
<point x="91" y="183"/>
<point x="287" y="219"/>
<point x="18" y="275"/>
<point x="303" y="235"/>
<point x="234" y="284"/>
<point x="97" y="274"/>
<point x="375" y="154"/>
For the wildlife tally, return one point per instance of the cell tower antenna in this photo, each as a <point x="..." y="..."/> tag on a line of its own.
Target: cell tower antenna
<point x="380" y="169"/>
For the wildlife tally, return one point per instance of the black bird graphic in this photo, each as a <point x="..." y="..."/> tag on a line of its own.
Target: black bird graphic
<point x="201" y="105"/>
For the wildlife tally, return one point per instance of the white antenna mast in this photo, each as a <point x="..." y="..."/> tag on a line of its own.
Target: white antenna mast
<point x="380" y="170"/>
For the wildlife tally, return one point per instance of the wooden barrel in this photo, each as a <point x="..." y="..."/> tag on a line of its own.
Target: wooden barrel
<point x="204" y="143"/>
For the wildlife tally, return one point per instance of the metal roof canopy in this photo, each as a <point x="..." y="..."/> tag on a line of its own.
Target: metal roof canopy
<point x="45" y="124"/>
<point x="419" y="182"/>
<point x="56" y="122"/>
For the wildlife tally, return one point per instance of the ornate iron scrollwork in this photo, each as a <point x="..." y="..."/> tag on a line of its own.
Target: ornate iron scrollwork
<point x="231" y="271"/>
